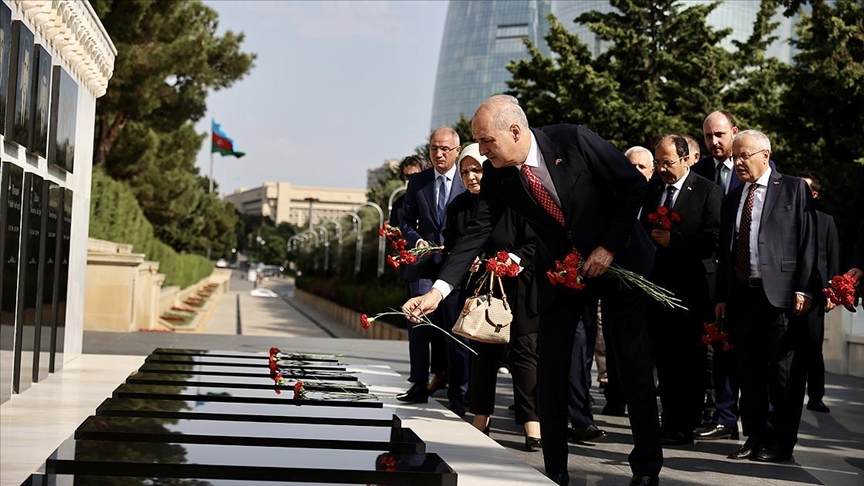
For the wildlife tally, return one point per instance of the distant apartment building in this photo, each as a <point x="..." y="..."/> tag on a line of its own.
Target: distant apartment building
<point x="284" y="202"/>
<point x="379" y="174"/>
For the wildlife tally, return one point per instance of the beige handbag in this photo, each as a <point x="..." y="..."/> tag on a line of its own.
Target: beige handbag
<point x="486" y="318"/>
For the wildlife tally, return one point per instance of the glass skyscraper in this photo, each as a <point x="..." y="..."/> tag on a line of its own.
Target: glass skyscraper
<point x="481" y="37"/>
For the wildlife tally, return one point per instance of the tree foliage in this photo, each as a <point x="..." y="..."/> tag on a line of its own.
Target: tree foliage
<point x="169" y="57"/>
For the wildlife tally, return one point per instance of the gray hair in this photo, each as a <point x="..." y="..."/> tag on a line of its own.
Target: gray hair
<point x="508" y="112"/>
<point x="638" y="148"/>
<point x="760" y="138"/>
<point x="449" y="130"/>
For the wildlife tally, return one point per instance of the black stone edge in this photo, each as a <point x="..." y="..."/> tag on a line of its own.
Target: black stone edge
<point x="259" y="473"/>
<point x="158" y="359"/>
<point x="225" y="354"/>
<point x="240" y="417"/>
<point x="311" y="386"/>
<point x="221" y="398"/>
<point x="285" y="372"/>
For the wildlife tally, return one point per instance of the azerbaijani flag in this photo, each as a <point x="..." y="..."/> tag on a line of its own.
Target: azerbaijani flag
<point x="222" y="143"/>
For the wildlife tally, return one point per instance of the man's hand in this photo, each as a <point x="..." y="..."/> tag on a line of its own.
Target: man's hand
<point x="421" y="244"/>
<point x="660" y="236"/>
<point x="857" y="273"/>
<point x="475" y="266"/>
<point x="720" y="310"/>
<point x="829" y="306"/>
<point x="800" y="304"/>
<point x="597" y="262"/>
<point x="417" y="307"/>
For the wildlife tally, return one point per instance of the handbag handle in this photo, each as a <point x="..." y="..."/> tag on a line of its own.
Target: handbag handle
<point x="493" y="277"/>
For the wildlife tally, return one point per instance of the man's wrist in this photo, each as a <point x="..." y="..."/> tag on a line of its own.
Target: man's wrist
<point x="443" y="288"/>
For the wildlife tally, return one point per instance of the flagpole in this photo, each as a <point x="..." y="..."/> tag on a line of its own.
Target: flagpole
<point x="211" y="156"/>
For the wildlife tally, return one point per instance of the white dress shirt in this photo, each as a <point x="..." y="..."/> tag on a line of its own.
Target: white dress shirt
<point x="679" y="184"/>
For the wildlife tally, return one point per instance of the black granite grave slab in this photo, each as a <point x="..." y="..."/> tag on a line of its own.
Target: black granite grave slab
<point x="28" y="308"/>
<point x="67" y="479"/>
<point x="61" y="275"/>
<point x="240" y="362"/>
<point x="248" y="412"/>
<point x="253" y="463"/>
<point x="268" y="434"/>
<point x="11" y="192"/>
<point x="230" y="381"/>
<point x="286" y="355"/>
<point x="223" y="394"/>
<point x="211" y="370"/>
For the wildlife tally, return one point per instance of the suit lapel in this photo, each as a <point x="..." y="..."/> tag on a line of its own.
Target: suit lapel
<point x="686" y="192"/>
<point x="771" y="193"/>
<point x="562" y="179"/>
<point x="429" y="191"/>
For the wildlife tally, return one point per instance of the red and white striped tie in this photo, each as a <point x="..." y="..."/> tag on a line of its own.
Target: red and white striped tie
<point x="542" y="195"/>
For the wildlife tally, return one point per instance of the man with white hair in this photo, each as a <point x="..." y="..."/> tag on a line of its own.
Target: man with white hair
<point x="576" y="191"/>
<point x="642" y="159"/>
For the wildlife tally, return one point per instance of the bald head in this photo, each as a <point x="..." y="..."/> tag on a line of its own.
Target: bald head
<point x="719" y="130"/>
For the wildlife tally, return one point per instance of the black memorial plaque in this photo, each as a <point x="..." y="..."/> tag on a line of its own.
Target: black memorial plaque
<point x="29" y="281"/>
<point x="254" y="356"/>
<point x="241" y="362"/>
<point x="11" y="191"/>
<point x="64" y="111"/>
<point x="145" y="428"/>
<point x="212" y="370"/>
<point x="5" y="53"/>
<point x="61" y="277"/>
<point x="251" y="463"/>
<point x="44" y="322"/>
<point x="19" y="109"/>
<point x="232" y="381"/>
<point x="284" y="395"/>
<point x="248" y="412"/>
<point x="40" y="89"/>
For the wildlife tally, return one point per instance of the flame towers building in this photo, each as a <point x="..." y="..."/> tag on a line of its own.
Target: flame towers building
<point x="481" y="37"/>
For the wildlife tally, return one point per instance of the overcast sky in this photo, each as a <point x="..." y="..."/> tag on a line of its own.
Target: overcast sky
<point x="338" y="87"/>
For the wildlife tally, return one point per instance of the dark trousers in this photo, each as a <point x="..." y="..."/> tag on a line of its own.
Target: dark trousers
<point x="579" y="403"/>
<point x="623" y="320"/>
<point x="458" y="355"/>
<point x="726" y="388"/>
<point x="426" y="345"/>
<point x="764" y="339"/>
<point x="810" y="355"/>
<point x="523" y="370"/>
<point x="680" y="354"/>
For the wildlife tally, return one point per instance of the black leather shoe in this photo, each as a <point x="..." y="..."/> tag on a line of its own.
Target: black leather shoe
<point x="715" y="432"/>
<point x="818" y="406"/>
<point x="746" y="451"/>
<point x="677" y="437"/>
<point x="586" y="433"/>
<point x="532" y="444"/>
<point x="773" y="454"/>
<point x="644" y="481"/>
<point x="561" y="479"/>
<point x="614" y="410"/>
<point x="418" y="393"/>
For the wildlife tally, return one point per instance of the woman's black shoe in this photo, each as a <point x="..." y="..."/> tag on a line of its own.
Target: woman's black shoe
<point x="532" y="444"/>
<point x="418" y="393"/>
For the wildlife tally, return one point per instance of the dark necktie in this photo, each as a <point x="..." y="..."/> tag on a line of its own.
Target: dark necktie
<point x="442" y="199"/>
<point x="742" y="251"/>
<point x="722" y="177"/>
<point x="542" y="195"/>
<point x="670" y="194"/>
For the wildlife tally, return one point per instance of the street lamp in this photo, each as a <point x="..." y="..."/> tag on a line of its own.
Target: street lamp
<point x="311" y="200"/>
<point x="392" y="197"/>
<point x="358" y="253"/>
<point x="326" y="246"/>
<point x="338" y="227"/>
<point x="380" y="236"/>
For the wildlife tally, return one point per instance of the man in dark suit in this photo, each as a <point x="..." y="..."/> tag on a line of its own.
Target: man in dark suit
<point x="809" y="355"/>
<point x="423" y="218"/>
<point x="575" y="190"/>
<point x="765" y="284"/>
<point x="678" y="266"/>
<point x="719" y="130"/>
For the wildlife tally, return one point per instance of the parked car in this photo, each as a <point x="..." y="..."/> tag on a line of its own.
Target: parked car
<point x="221" y="263"/>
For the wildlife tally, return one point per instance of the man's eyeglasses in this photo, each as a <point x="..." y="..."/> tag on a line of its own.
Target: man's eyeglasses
<point x="744" y="156"/>
<point x="670" y="163"/>
<point x="441" y="148"/>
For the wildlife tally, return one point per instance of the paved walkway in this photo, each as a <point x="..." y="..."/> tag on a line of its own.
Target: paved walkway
<point x="830" y="451"/>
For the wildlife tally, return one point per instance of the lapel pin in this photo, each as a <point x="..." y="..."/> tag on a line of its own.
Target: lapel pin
<point x="557" y="161"/>
<point x="776" y="183"/>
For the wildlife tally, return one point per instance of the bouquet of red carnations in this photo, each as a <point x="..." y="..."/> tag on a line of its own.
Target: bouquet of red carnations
<point x="842" y="291"/>
<point x="664" y="218"/>
<point x="499" y="266"/>
<point x="714" y="334"/>
<point x="566" y="273"/>
<point x="403" y="256"/>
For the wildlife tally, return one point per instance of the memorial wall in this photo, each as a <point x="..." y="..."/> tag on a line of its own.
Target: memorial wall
<point x="55" y="60"/>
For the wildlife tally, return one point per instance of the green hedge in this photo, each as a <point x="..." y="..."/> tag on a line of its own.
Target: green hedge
<point x="115" y="216"/>
<point x="368" y="298"/>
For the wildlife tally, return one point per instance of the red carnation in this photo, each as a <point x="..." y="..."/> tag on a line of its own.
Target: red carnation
<point x="365" y="321"/>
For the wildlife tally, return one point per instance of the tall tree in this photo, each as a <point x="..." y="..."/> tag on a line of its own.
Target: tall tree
<point x="169" y="57"/>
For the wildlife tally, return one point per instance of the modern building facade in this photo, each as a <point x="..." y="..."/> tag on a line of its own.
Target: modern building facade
<point x="377" y="175"/>
<point x="284" y="202"/>
<point x="480" y="38"/>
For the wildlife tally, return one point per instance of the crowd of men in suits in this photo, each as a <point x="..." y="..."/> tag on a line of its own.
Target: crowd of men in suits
<point x="746" y="252"/>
